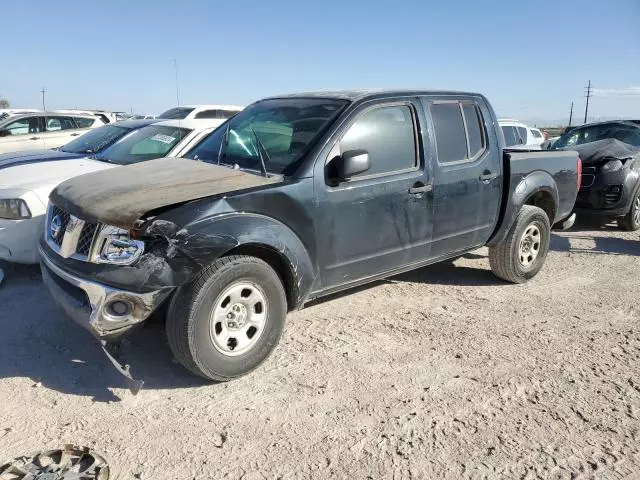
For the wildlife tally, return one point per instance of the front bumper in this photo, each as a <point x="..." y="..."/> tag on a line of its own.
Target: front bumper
<point x="93" y="305"/>
<point x="606" y="193"/>
<point x="19" y="239"/>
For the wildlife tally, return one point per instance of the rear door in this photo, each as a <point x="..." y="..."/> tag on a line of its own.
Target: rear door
<point x="467" y="174"/>
<point x="60" y="130"/>
<point x="379" y="220"/>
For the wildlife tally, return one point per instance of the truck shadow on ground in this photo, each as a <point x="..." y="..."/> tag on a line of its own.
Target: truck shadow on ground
<point x="443" y="273"/>
<point x="40" y="343"/>
<point x="571" y="242"/>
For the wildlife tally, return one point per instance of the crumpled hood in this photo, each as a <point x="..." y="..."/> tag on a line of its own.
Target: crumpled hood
<point x="35" y="156"/>
<point x="603" y="150"/>
<point x="120" y="196"/>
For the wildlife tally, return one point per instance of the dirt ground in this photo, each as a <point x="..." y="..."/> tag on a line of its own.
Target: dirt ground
<point x="445" y="372"/>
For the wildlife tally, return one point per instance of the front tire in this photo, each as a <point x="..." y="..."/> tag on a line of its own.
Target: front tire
<point x="521" y="254"/>
<point x="631" y="221"/>
<point x="228" y="320"/>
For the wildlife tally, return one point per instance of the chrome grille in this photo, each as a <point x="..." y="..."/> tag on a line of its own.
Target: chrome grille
<point x="86" y="239"/>
<point x="69" y="236"/>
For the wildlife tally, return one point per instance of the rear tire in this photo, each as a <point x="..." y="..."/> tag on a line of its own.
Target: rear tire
<point x="631" y="221"/>
<point x="522" y="253"/>
<point x="228" y="320"/>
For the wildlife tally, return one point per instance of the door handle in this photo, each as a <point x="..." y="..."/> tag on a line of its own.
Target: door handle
<point x="487" y="176"/>
<point x="74" y="134"/>
<point x="416" y="189"/>
<point x="34" y="138"/>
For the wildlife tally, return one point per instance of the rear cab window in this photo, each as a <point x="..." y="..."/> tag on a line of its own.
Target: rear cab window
<point x="216" y="114"/>
<point x="178" y="113"/>
<point x="459" y="130"/>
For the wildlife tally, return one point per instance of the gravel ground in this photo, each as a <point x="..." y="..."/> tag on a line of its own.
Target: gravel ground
<point x="445" y="372"/>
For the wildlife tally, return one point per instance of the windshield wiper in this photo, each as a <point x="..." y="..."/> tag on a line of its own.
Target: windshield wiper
<point x="262" y="152"/>
<point x="223" y="143"/>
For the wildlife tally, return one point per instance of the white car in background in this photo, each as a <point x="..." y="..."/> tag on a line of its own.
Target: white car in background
<point x="519" y="135"/>
<point x="35" y="131"/>
<point x="211" y="112"/>
<point x="25" y="189"/>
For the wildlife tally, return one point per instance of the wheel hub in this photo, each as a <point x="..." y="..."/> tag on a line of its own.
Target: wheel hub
<point x="237" y="316"/>
<point x="529" y="245"/>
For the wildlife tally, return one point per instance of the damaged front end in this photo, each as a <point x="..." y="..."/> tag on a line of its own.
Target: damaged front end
<point x="108" y="312"/>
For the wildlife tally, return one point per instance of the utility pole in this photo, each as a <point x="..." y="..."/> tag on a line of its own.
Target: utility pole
<point x="571" y="114"/>
<point x="175" y="66"/>
<point x="588" y="95"/>
<point x="43" y="91"/>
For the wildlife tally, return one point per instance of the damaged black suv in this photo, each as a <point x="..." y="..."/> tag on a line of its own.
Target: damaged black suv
<point x="294" y="198"/>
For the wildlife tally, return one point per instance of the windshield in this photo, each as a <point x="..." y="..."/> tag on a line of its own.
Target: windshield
<point x="178" y="113"/>
<point x="153" y="141"/>
<point x="96" y="139"/>
<point x="625" y="133"/>
<point x="284" y="129"/>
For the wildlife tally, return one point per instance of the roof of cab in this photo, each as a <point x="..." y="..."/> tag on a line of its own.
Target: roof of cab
<point x="366" y="94"/>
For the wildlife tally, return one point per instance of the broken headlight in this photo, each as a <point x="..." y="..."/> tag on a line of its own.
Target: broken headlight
<point x="14" y="209"/>
<point x="118" y="248"/>
<point x="612" y="166"/>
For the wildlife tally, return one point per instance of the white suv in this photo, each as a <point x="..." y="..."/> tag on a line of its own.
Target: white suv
<point x="518" y="135"/>
<point x="194" y="112"/>
<point x="35" y="131"/>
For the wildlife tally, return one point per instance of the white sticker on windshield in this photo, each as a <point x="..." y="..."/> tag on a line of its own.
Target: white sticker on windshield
<point x="163" y="138"/>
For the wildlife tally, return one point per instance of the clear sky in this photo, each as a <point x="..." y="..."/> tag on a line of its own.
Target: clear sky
<point x="531" y="58"/>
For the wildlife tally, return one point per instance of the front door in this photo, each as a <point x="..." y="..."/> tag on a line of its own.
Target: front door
<point x="380" y="219"/>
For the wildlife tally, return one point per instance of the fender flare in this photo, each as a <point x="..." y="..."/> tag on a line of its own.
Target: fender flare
<point x="532" y="184"/>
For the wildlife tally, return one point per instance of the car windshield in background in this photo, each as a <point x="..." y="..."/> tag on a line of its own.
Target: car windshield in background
<point x="153" y="141"/>
<point x="178" y="113"/>
<point x="95" y="140"/>
<point x="620" y="131"/>
<point x="278" y="130"/>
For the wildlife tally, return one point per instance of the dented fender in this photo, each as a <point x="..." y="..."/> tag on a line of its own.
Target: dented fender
<point x="200" y="243"/>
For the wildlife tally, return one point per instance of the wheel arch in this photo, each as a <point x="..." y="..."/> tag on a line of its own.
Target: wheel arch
<point x="538" y="189"/>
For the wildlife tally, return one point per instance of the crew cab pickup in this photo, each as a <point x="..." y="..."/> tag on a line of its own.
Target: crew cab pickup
<point x="294" y="198"/>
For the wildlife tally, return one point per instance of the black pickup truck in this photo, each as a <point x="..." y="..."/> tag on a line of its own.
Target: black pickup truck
<point x="294" y="198"/>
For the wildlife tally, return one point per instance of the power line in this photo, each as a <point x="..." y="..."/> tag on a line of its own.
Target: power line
<point x="588" y="95"/>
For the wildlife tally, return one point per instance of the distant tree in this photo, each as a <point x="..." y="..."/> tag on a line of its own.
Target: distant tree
<point x="4" y="103"/>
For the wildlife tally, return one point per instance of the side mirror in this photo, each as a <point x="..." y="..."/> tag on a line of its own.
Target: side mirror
<point x="4" y="133"/>
<point x="352" y="162"/>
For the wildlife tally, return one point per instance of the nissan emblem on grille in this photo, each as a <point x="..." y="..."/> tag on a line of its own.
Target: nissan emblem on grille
<point x="56" y="226"/>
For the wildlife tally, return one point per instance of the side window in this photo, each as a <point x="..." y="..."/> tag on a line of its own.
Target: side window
<point x="536" y="134"/>
<point x="84" y="122"/>
<point x="475" y="129"/>
<point x="19" y="127"/>
<point x="55" y="124"/>
<point x="388" y="135"/>
<point x="216" y="114"/>
<point x="451" y="140"/>
<point x="510" y="136"/>
<point x="207" y="114"/>
<point x="522" y="133"/>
